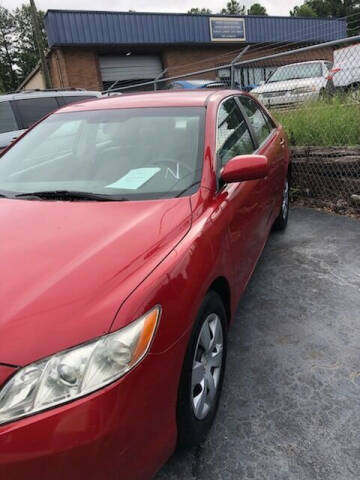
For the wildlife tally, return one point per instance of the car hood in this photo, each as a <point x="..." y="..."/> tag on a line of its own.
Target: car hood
<point x="288" y="85"/>
<point x="68" y="266"/>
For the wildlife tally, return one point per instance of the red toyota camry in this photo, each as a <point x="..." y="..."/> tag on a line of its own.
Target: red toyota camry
<point x="130" y="228"/>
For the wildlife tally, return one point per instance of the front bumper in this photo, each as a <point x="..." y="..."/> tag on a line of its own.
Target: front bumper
<point x="124" y="431"/>
<point x="287" y="99"/>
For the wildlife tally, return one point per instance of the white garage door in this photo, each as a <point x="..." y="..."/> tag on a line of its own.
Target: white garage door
<point x="121" y="68"/>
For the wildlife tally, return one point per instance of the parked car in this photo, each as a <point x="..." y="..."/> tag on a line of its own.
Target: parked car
<point x="192" y="84"/>
<point x="125" y="250"/>
<point x="296" y="83"/>
<point x="247" y="88"/>
<point x="18" y="111"/>
<point x="346" y="70"/>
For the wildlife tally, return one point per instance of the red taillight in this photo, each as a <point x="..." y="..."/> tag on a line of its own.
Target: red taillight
<point x="332" y="73"/>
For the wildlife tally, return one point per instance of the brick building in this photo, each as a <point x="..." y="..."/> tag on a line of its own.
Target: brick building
<point x="93" y="50"/>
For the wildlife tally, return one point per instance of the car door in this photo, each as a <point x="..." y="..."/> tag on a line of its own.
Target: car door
<point x="246" y="201"/>
<point x="271" y="142"/>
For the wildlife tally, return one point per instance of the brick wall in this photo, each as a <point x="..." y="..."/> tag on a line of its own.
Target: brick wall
<point x="75" y="68"/>
<point x="79" y="68"/>
<point x="187" y="60"/>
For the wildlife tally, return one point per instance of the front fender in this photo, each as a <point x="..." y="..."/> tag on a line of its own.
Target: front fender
<point x="180" y="283"/>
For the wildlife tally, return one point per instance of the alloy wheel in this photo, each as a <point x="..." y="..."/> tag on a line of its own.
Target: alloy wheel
<point x="207" y="365"/>
<point x="285" y="202"/>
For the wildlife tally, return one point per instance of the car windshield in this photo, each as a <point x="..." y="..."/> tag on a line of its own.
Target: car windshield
<point x="139" y="153"/>
<point x="295" y="72"/>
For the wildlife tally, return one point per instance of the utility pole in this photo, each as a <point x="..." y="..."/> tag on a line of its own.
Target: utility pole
<point x="232" y="68"/>
<point x="40" y="44"/>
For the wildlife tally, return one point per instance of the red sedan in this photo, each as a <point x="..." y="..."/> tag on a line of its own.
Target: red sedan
<point x="130" y="228"/>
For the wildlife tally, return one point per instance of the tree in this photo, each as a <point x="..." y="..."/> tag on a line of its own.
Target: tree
<point x="303" y="11"/>
<point x="257" y="9"/>
<point x="18" y="51"/>
<point x="200" y="11"/>
<point x="8" y="75"/>
<point x="329" y="8"/>
<point x="349" y="9"/>
<point x="233" y="7"/>
<point x="27" y="53"/>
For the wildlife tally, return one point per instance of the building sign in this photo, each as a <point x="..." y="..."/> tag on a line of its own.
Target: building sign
<point x="227" y="29"/>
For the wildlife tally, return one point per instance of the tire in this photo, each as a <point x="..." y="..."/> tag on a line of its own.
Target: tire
<point x="325" y="94"/>
<point x="282" y="219"/>
<point x="322" y="94"/>
<point x="197" y="404"/>
<point x="354" y="92"/>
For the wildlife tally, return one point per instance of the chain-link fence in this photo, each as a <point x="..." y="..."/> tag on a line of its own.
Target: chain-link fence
<point x="314" y="91"/>
<point x="317" y="99"/>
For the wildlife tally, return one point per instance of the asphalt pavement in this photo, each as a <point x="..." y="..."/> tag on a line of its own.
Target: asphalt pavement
<point x="290" y="408"/>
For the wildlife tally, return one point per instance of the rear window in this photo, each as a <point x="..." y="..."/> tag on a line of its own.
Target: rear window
<point x="78" y="98"/>
<point x="31" y="110"/>
<point x="7" y="118"/>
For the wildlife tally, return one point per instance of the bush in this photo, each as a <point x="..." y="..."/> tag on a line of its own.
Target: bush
<point x="332" y="122"/>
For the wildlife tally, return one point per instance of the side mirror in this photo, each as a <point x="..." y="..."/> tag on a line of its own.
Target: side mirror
<point x="245" y="167"/>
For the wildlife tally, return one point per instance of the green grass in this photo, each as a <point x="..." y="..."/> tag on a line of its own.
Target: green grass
<point x="331" y="123"/>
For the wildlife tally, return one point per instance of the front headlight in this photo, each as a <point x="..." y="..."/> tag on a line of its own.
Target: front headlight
<point x="300" y="90"/>
<point x="78" y="371"/>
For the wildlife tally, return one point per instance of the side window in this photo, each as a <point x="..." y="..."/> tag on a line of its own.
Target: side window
<point x="33" y="109"/>
<point x="233" y="135"/>
<point x="260" y="122"/>
<point x="78" y="98"/>
<point x="7" y="118"/>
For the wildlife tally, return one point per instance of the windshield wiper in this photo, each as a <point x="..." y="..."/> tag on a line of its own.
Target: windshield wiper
<point x="187" y="188"/>
<point x="6" y="194"/>
<point x="70" y="195"/>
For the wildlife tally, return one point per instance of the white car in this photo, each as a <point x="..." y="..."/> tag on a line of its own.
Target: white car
<point x="347" y="68"/>
<point x="296" y="83"/>
<point x="18" y="111"/>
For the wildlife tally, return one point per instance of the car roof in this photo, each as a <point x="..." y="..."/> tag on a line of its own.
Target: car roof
<point x="196" y="82"/>
<point x="304" y="63"/>
<point x="193" y="82"/>
<point x="168" y="98"/>
<point x="46" y="94"/>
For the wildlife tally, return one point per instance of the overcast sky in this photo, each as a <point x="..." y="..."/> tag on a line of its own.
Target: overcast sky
<point x="273" y="7"/>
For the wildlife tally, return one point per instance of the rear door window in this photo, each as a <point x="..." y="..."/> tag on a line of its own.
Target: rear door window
<point x="233" y="135"/>
<point x="33" y="109"/>
<point x="260" y="122"/>
<point x="8" y="121"/>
